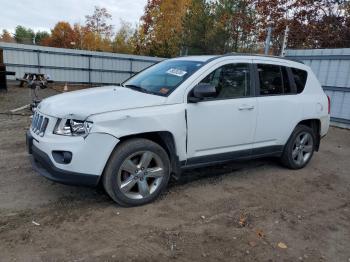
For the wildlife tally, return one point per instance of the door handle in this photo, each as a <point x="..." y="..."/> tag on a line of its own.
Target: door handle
<point x="246" y="107"/>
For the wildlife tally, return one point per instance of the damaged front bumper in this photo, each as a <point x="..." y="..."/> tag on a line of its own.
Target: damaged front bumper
<point x="42" y="164"/>
<point x="88" y="157"/>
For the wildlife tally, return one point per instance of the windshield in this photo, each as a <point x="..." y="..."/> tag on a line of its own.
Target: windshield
<point x="163" y="78"/>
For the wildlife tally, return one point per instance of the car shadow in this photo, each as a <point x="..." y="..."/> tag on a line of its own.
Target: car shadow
<point x="210" y="174"/>
<point x="216" y="172"/>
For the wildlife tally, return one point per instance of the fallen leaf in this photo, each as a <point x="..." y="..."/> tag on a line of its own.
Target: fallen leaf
<point x="260" y="233"/>
<point x="282" y="245"/>
<point x="243" y="220"/>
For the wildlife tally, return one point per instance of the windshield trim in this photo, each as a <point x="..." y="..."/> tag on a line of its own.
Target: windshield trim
<point x="140" y="89"/>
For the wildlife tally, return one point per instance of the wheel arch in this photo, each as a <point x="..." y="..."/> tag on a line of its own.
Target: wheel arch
<point x="163" y="138"/>
<point x="315" y="125"/>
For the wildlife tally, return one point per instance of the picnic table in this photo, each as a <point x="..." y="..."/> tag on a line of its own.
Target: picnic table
<point x="35" y="81"/>
<point x="43" y="79"/>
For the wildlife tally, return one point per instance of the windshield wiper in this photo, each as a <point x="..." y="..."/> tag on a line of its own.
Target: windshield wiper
<point x="141" y="89"/>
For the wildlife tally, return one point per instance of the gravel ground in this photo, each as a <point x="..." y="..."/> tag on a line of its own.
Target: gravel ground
<point x="248" y="211"/>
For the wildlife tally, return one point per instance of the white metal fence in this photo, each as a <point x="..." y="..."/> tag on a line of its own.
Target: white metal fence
<point x="332" y="67"/>
<point x="76" y="66"/>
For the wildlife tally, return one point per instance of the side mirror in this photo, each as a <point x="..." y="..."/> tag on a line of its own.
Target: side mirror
<point x="202" y="90"/>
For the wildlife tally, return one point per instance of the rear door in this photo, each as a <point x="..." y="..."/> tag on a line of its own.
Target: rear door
<point x="278" y="107"/>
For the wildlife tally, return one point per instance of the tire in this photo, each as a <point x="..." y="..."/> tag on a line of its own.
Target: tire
<point x="137" y="172"/>
<point x="300" y="148"/>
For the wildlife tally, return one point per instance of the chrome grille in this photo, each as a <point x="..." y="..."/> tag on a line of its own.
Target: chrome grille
<point x="39" y="124"/>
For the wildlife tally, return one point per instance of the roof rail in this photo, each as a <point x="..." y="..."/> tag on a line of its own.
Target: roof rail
<point x="258" y="55"/>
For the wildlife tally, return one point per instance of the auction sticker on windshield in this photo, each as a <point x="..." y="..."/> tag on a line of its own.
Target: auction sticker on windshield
<point x="176" y="72"/>
<point x="164" y="90"/>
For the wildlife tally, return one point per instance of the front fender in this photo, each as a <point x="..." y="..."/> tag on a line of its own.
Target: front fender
<point x="170" y="118"/>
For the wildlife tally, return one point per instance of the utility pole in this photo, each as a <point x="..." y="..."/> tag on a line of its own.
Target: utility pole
<point x="285" y="41"/>
<point x="268" y="40"/>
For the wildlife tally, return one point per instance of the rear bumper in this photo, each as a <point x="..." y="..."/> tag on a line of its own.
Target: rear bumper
<point x="42" y="163"/>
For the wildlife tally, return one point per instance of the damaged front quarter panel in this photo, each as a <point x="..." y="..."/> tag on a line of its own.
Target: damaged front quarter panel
<point x="170" y="118"/>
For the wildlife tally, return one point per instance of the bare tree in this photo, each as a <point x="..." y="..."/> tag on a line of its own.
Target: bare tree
<point x="98" y="22"/>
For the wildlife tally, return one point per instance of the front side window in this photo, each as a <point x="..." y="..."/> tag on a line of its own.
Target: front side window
<point x="163" y="78"/>
<point x="230" y="81"/>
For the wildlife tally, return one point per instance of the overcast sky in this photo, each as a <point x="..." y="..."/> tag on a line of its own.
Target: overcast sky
<point x="44" y="14"/>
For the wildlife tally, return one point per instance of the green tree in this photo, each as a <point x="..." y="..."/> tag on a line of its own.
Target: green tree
<point x="41" y="36"/>
<point x="197" y="28"/>
<point x="24" y="35"/>
<point x="235" y="26"/>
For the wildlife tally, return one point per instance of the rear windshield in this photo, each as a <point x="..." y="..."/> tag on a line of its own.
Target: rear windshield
<point x="300" y="77"/>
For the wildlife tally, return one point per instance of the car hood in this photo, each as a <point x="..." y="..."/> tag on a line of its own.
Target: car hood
<point x="83" y="103"/>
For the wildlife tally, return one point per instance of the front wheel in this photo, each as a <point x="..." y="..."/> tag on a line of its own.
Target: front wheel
<point x="137" y="172"/>
<point x="299" y="148"/>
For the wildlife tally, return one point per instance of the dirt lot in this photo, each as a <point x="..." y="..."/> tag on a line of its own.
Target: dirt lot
<point x="236" y="212"/>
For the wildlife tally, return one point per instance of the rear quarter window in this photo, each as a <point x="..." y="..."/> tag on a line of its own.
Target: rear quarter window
<point x="300" y="77"/>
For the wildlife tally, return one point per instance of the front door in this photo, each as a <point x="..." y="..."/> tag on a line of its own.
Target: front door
<point x="222" y="127"/>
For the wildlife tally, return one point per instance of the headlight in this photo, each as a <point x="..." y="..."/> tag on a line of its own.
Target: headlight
<point x="71" y="127"/>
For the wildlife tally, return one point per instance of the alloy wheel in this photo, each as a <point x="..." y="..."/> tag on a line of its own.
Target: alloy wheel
<point x="140" y="175"/>
<point x="302" y="148"/>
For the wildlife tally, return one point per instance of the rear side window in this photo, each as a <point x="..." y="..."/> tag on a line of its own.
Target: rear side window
<point x="273" y="80"/>
<point x="300" y="77"/>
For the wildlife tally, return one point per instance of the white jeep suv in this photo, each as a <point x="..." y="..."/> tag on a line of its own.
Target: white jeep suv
<point x="180" y="113"/>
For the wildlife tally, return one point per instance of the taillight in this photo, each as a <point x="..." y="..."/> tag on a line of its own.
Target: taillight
<point x="329" y="104"/>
